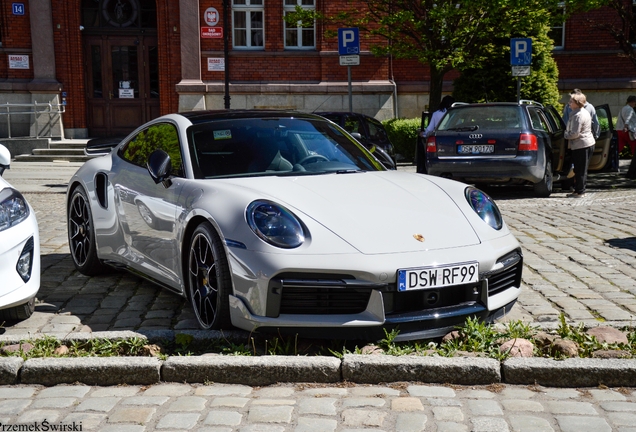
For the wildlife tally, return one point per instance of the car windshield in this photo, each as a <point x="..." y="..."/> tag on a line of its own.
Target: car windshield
<point x="274" y="146"/>
<point x="471" y="118"/>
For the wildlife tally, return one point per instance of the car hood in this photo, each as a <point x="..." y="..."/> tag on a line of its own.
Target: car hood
<point x="375" y="212"/>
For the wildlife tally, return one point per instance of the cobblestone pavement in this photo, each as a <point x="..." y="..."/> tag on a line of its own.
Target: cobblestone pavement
<point x="304" y="407"/>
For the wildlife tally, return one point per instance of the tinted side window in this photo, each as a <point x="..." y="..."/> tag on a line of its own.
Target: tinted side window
<point x="537" y="121"/>
<point x="159" y="136"/>
<point x="376" y="130"/>
<point x="352" y="124"/>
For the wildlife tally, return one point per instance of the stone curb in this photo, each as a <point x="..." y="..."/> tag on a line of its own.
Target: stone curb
<point x="363" y="369"/>
<point x="373" y="369"/>
<point x="251" y="370"/>
<point x="575" y="372"/>
<point x="103" y="371"/>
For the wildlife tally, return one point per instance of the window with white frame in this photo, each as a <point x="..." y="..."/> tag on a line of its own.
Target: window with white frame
<point x="301" y="36"/>
<point x="557" y="31"/>
<point x="248" y="18"/>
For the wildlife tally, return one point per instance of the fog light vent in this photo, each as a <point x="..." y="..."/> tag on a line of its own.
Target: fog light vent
<point x="25" y="262"/>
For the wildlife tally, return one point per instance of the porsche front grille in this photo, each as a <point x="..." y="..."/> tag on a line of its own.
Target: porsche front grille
<point x="509" y="276"/>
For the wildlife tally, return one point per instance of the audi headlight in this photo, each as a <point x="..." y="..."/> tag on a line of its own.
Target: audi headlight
<point x="13" y="208"/>
<point x="275" y="224"/>
<point x="485" y="207"/>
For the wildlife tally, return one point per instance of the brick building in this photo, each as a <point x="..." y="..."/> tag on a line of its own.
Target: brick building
<point x="114" y="64"/>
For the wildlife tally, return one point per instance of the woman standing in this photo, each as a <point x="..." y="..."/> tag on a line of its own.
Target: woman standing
<point x="580" y="141"/>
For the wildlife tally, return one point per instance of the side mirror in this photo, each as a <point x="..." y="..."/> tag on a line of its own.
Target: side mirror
<point x="159" y="167"/>
<point x="5" y="158"/>
<point x="357" y="136"/>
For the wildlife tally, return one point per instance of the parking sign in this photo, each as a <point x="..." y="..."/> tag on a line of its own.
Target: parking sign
<point x="520" y="51"/>
<point x="348" y="41"/>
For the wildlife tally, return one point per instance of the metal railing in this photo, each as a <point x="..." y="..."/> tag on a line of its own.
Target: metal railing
<point x="51" y="109"/>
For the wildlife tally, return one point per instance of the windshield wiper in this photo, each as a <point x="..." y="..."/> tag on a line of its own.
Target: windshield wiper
<point x="347" y="171"/>
<point x="464" y="128"/>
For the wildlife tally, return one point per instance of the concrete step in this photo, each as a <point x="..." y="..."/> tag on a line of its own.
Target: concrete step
<point x="59" y="151"/>
<point x="67" y="145"/>
<point x="51" y="158"/>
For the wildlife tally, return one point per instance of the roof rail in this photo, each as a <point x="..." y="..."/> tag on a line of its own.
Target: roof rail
<point x="529" y="102"/>
<point x="459" y="103"/>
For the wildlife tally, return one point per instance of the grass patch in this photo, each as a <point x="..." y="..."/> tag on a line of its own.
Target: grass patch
<point x="474" y="337"/>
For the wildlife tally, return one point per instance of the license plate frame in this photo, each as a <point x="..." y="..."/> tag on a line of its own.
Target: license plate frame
<point x="430" y="277"/>
<point x="475" y="149"/>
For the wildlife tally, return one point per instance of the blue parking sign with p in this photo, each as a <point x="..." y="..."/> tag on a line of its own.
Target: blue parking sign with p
<point x="520" y="51"/>
<point x="348" y="41"/>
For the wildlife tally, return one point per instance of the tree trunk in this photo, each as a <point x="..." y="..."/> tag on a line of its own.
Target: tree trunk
<point x="436" y="83"/>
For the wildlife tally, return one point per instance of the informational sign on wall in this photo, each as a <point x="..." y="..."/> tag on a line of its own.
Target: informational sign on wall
<point x="216" y="64"/>
<point x="18" y="61"/>
<point x="126" y="93"/>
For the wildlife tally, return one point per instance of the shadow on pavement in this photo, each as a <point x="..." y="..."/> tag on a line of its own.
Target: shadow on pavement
<point x="624" y="243"/>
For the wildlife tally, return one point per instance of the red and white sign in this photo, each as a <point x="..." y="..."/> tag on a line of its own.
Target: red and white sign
<point x="211" y="32"/>
<point x="18" y="61"/>
<point x="211" y="16"/>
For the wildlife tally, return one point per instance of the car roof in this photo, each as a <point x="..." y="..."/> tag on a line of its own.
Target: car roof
<point x="489" y="104"/>
<point x="210" y="115"/>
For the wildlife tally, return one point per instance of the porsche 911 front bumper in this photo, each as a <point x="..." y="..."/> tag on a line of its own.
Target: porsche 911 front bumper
<point x="351" y="306"/>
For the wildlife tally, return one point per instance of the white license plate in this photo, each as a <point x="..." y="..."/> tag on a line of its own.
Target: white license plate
<point x="439" y="276"/>
<point x="475" y="149"/>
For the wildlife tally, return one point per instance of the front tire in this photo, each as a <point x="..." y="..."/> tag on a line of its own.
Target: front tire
<point x="209" y="281"/>
<point x="543" y="189"/>
<point x="81" y="234"/>
<point x="19" y="312"/>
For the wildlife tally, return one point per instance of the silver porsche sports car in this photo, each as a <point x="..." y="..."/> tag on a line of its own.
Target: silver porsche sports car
<point x="277" y="220"/>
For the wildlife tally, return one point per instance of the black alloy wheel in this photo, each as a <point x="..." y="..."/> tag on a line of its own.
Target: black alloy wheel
<point x="81" y="234"/>
<point x="209" y="279"/>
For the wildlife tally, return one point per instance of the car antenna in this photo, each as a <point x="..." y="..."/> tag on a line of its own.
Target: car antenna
<point x="316" y="109"/>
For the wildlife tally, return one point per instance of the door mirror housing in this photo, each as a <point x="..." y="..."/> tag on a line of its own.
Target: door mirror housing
<point x="159" y="166"/>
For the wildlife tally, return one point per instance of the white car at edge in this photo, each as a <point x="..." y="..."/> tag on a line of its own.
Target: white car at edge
<point x="19" y="250"/>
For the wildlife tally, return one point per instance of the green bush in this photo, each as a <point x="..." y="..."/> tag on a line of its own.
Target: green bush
<point x="403" y="134"/>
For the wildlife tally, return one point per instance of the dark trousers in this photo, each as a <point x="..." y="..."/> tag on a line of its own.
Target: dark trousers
<point x="581" y="159"/>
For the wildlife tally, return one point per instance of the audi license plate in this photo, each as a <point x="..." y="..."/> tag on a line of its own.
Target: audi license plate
<point x="475" y="149"/>
<point x="435" y="277"/>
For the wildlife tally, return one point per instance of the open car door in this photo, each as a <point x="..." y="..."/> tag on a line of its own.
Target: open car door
<point x="601" y="156"/>
<point x="558" y="142"/>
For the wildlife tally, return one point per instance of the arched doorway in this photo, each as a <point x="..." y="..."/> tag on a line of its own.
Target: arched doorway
<point x="122" y="67"/>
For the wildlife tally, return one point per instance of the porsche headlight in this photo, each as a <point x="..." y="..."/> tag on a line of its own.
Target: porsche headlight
<point x="275" y="224"/>
<point x="13" y="208"/>
<point x="485" y="207"/>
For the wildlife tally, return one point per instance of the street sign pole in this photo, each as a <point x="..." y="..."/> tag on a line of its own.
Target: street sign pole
<point x="520" y="60"/>
<point x="350" y="91"/>
<point x="349" y="50"/>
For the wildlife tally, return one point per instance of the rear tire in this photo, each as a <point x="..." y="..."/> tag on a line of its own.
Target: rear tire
<point x="81" y="234"/>
<point x="543" y="189"/>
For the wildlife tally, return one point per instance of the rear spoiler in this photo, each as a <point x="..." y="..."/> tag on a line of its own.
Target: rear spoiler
<point x="101" y="146"/>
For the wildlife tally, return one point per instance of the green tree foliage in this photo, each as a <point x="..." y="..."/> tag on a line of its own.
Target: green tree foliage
<point x="493" y="80"/>
<point x="623" y="30"/>
<point x="444" y="34"/>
